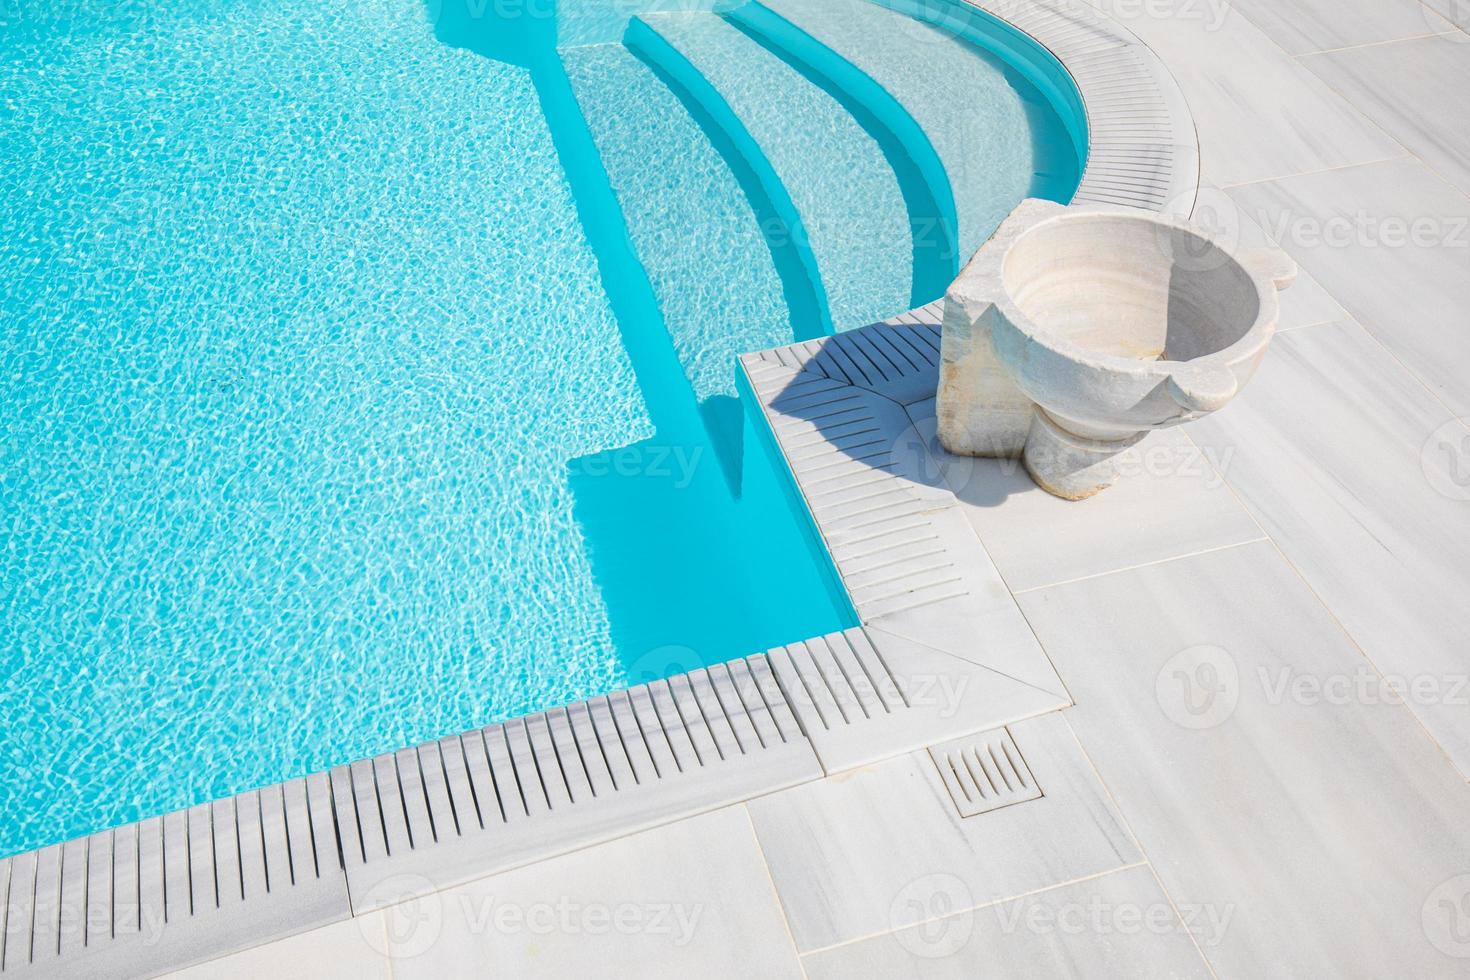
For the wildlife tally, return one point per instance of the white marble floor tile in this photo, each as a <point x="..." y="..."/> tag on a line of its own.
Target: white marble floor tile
<point x="1171" y="502"/>
<point x="1258" y="112"/>
<point x="1402" y="87"/>
<point x="1329" y="448"/>
<point x="1391" y="242"/>
<point x="689" y="899"/>
<point x="1120" y="925"/>
<point x="1217" y="698"/>
<point x="355" y="949"/>
<point x="1301" y="26"/>
<point x="884" y="847"/>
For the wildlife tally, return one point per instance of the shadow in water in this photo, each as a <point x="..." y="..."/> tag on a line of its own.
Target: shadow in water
<point x="693" y="541"/>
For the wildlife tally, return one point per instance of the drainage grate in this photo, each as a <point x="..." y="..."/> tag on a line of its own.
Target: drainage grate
<point x="173" y="890"/>
<point x="427" y="818"/>
<point x="984" y="772"/>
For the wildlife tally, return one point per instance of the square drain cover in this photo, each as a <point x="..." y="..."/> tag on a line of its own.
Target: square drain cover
<point x="984" y="772"/>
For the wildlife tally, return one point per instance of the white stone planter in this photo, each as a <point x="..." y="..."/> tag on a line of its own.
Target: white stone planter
<point x="1075" y="331"/>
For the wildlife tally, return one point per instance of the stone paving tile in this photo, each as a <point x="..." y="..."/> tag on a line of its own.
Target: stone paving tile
<point x="1401" y="87"/>
<point x="356" y="948"/>
<point x="1264" y="770"/>
<point x="884" y="847"/>
<point x="1259" y="113"/>
<point x="1391" y="242"/>
<point x="1302" y="26"/>
<point x="689" y="899"/>
<point x="1117" y="925"/>
<point x="1362" y="479"/>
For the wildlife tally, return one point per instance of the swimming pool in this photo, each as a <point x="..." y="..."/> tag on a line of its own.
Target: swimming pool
<point x="368" y="368"/>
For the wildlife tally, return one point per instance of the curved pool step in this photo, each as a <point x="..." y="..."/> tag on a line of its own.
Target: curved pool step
<point x="780" y="221"/>
<point x="998" y="137"/>
<point x="675" y="188"/>
<point x="852" y="213"/>
<point x="921" y="174"/>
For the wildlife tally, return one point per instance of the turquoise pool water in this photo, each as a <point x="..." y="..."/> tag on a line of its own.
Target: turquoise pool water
<point x="367" y="369"/>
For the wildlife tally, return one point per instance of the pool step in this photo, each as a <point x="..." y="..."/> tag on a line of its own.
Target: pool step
<point x="853" y="216"/>
<point x="994" y="137"/>
<point x="695" y="215"/>
<point x="920" y="173"/>
<point x="781" y="221"/>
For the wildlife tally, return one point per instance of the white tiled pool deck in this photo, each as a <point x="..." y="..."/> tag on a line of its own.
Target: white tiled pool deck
<point x="1203" y="769"/>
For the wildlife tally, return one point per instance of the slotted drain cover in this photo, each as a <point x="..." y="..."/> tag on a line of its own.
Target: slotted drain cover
<point x="984" y="772"/>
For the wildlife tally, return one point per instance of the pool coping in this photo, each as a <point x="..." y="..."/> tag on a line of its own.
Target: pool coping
<point x="852" y="417"/>
<point x="1143" y="150"/>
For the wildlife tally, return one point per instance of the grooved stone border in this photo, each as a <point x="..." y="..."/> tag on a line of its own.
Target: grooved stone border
<point x="942" y="652"/>
<point x="1143" y="151"/>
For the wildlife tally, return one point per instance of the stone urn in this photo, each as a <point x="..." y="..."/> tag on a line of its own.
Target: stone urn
<point x="1076" y="331"/>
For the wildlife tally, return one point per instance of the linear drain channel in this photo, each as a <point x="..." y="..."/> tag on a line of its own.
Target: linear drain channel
<point x="984" y="772"/>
